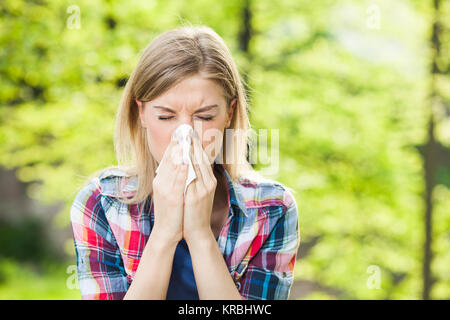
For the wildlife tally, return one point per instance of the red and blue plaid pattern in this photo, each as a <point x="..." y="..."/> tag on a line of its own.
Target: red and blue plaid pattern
<point x="259" y="240"/>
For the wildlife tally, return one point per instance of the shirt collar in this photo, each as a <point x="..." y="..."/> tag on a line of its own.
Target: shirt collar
<point x="235" y="197"/>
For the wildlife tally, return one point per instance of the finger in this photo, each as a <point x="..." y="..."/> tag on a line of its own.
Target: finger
<point x="180" y="179"/>
<point x="209" y="167"/>
<point x="191" y="150"/>
<point x="170" y="173"/>
<point x="204" y="167"/>
<point x="193" y="157"/>
<point x="199" y="160"/>
<point x="198" y="174"/>
<point x="167" y="154"/>
<point x="173" y="156"/>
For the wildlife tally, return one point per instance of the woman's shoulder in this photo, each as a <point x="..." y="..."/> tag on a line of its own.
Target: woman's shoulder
<point x="259" y="191"/>
<point x="110" y="182"/>
<point x="95" y="205"/>
<point x="117" y="182"/>
<point x="101" y="193"/>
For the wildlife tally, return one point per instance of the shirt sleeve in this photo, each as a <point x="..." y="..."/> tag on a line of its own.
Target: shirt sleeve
<point x="100" y="268"/>
<point x="269" y="275"/>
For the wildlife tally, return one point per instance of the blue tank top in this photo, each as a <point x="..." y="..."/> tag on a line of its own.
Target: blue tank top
<point x="182" y="284"/>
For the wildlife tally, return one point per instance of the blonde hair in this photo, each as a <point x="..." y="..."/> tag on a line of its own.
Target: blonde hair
<point x="171" y="57"/>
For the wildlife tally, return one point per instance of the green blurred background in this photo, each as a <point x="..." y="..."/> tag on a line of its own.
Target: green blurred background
<point x="360" y="93"/>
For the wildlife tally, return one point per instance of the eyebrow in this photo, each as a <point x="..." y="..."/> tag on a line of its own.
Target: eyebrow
<point x="206" y="108"/>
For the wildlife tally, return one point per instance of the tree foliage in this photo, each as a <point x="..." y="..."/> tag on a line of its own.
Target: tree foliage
<point x="346" y="83"/>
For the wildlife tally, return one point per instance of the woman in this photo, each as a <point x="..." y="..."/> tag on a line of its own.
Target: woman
<point x="137" y="235"/>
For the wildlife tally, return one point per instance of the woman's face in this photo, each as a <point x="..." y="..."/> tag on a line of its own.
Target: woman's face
<point x="196" y="101"/>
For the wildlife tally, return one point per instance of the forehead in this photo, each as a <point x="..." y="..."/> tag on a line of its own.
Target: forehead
<point x="192" y="93"/>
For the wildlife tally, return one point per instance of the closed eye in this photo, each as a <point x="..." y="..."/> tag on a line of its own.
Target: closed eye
<point x="170" y="117"/>
<point x="206" y="118"/>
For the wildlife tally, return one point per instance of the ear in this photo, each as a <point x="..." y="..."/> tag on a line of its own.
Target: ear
<point x="141" y="111"/>
<point x="231" y="111"/>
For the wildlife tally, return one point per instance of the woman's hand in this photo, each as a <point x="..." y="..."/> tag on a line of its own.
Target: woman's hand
<point x="168" y="197"/>
<point x="198" y="201"/>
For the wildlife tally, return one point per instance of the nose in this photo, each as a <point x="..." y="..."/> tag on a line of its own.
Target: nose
<point x="197" y="125"/>
<point x="186" y="120"/>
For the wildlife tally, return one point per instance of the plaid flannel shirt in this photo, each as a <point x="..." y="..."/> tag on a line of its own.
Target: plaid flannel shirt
<point x="259" y="240"/>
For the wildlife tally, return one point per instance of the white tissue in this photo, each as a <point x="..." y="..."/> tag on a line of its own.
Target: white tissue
<point x="183" y="138"/>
